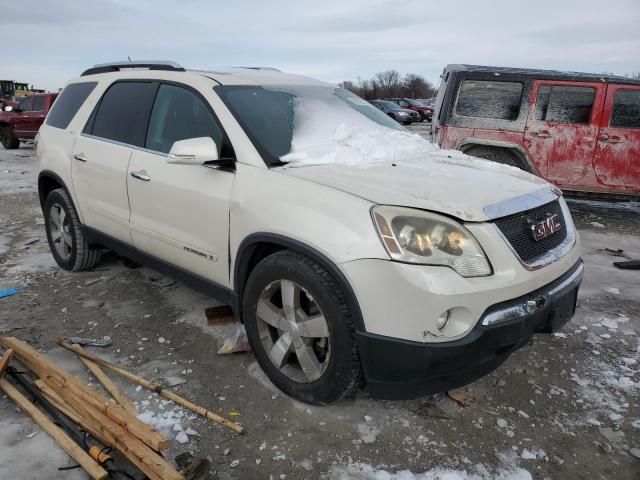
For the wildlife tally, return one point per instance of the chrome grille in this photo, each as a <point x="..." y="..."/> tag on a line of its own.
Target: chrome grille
<point x="516" y="229"/>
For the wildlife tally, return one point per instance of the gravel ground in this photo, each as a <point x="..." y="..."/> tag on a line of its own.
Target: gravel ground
<point x="565" y="407"/>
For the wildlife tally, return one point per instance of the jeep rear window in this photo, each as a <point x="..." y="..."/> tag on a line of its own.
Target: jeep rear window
<point x="489" y="99"/>
<point x="70" y="101"/>
<point x="123" y="112"/>
<point x="564" y="104"/>
<point x="626" y="109"/>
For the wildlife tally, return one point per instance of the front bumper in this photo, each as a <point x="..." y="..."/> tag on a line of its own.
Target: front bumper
<point x="401" y="369"/>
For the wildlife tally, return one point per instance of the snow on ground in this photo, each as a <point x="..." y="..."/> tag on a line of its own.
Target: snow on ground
<point x="363" y="471"/>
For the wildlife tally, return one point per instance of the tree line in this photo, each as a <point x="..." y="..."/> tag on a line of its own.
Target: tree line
<point x="391" y="84"/>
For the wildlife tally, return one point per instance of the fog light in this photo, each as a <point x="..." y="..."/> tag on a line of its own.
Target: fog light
<point x="443" y="320"/>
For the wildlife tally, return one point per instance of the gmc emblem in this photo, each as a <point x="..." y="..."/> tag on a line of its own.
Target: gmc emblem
<point x="546" y="227"/>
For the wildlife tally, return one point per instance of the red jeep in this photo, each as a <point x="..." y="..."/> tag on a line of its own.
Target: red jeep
<point x="23" y="121"/>
<point x="580" y="131"/>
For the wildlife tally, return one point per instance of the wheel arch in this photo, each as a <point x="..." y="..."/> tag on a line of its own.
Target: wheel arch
<point x="468" y="143"/>
<point x="49" y="181"/>
<point x="258" y="246"/>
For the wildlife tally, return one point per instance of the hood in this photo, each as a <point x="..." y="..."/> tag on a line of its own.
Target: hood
<point x="448" y="182"/>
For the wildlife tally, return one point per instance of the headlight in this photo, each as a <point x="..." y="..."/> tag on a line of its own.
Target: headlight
<point x="415" y="236"/>
<point x="403" y="114"/>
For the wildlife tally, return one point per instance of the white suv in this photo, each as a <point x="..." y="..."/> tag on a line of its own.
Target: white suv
<point x="349" y="247"/>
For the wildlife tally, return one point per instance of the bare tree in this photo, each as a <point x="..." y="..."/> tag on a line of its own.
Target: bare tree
<point x="390" y="84"/>
<point x="415" y="86"/>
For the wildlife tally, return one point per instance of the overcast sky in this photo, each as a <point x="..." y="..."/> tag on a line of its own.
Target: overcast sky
<point x="52" y="41"/>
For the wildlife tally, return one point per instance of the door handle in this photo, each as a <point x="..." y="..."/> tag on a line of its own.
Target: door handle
<point x="542" y="134"/>
<point x="141" y="175"/>
<point x="80" y="157"/>
<point x="610" y="138"/>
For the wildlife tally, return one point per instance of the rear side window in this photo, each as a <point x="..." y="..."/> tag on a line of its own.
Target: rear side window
<point x="68" y="103"/>
<point x="626" y="109"/>
<point x="564" y="104"/>
<point x="179" y="114"/>
<point x="38" y="103"/>
<point x="489" y="99"/>
<point x="123" y="112"/>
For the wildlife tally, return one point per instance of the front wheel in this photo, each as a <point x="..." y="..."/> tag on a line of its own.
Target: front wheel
<point x="300" y="328"/>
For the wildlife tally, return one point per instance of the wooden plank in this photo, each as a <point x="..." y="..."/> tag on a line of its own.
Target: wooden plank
<point x="66" y="409"/>
<point x="108" y="385"/>
<point x="155" y="388"/>
<point x="67" y="386"/>
<point x="73" y="449"/>
<point x="4" y="361"/>
<point x="148" y="461"/>
<point x="144" y="432"/>
<point x="43" y="367"/>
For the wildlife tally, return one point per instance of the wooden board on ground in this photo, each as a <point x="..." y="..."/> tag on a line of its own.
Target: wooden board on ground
<point x="67" y="444"/>
<point x="46" y="369"/>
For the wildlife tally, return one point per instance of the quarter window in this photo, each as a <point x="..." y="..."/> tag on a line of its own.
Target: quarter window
<point x="179" y="114"/>
<point x="123" y="112"/>
<point x="489" y="99"/>
<point x="70" y="101"/>
<point x="564" y="104"/>
<point x="38" y="103"/>
<point x="626" y="109"/>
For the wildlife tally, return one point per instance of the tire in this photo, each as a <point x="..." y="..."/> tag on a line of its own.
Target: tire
<point x="8" y="139"/>
<point x="407" y="123"/>
<point x="498" y="155"/>
<point x="79" y="255"/>
<point x="338" y="371"/>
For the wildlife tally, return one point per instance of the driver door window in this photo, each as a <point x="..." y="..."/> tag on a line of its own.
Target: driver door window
<point x="179" y="114"/>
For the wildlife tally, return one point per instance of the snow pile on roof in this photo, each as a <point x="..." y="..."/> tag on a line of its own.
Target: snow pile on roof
<point x="332" y="132"/>
<point x="361" y="471"/>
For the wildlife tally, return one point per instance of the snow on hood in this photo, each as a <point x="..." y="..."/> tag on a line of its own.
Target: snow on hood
<point x="443" y="181"/>
<point x="330" y="132"/>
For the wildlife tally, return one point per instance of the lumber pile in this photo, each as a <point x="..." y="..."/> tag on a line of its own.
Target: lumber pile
<point x="111" y="422"/>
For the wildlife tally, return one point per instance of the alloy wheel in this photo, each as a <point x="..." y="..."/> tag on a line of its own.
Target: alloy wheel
<point x="293" y="331"/>
<point x="59" y="230"/>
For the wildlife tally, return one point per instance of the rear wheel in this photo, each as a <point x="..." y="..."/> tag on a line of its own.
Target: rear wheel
<point x="67" y="241"/>
<point x="8" y="139"/>
<point x="498" y="155"/>
<point x="300" y="328"/>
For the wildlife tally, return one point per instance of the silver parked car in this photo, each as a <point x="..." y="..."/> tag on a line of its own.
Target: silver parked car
<point x="401" y="115"/>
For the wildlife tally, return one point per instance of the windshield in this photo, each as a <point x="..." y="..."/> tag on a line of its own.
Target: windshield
<point x="310" y="125"/>
<point x="415" y="103"/>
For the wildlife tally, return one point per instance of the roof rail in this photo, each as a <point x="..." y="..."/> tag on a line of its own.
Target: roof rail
<point x="261" y="68"/>
<point x="148" y="64"/>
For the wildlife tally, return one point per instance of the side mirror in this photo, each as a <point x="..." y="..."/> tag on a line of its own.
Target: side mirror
<point x="193" y="151"/>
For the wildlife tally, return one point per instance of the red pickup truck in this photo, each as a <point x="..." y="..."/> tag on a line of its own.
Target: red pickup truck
<point x="23" y="122"/>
